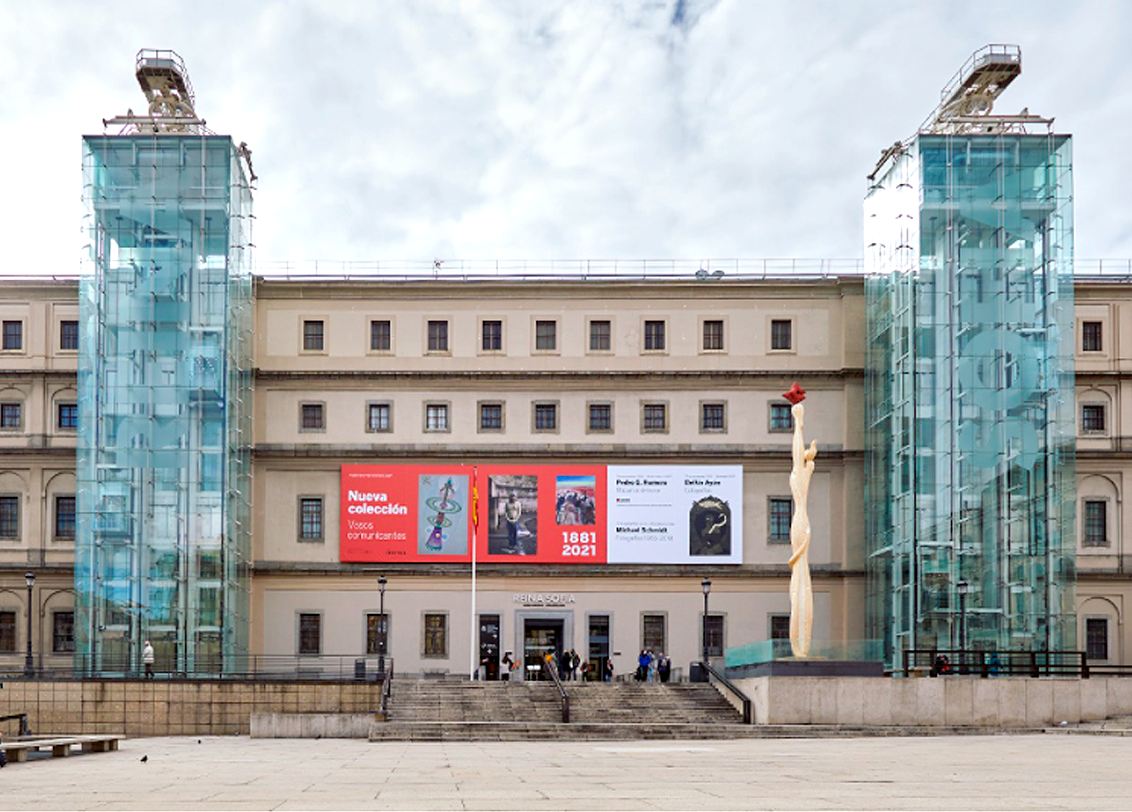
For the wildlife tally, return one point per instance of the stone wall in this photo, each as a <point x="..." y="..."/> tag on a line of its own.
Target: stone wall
<point x="944" y="702"/>
<point x="173" y="708"/>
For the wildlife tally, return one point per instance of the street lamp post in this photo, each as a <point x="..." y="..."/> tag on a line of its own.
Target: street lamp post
<point x="29" y="664"/>
<point x="706" y="584"/>
<point x="382" y="628"/>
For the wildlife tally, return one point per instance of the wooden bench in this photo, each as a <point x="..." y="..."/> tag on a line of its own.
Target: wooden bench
<point x="17" y="749"/>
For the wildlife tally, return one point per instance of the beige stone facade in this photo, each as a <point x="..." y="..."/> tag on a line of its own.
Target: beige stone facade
<point x="507" y="371"/>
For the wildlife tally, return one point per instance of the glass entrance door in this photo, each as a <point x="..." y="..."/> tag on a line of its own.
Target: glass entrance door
<point x="599" y="646"/>
<point x="489" y="646"/>
<point x="539" y="638"/>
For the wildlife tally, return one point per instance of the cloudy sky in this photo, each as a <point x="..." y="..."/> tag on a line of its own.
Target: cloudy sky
<point x="533" y="129"/>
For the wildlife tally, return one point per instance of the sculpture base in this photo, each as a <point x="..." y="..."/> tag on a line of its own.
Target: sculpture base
<point x="807" y="667"/>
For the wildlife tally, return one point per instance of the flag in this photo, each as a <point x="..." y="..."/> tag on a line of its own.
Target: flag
<point x="475" y="499"/>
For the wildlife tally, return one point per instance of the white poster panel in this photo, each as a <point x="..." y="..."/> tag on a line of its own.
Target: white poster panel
<point x="667" y="514"/>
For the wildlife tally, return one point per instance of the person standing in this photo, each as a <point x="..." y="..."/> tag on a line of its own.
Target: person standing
<point x="147" y="659"/>
<point x="512" y="513"/>
<point x="664" y="667"/>
<point x="507" y="665"/>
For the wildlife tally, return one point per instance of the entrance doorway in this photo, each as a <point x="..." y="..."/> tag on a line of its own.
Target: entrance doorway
<point x="489" y="646"/>
<point x="541" y="635"/>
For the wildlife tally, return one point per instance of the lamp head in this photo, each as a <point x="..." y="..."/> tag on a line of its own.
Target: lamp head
<point x="706" y="584"/>
<point x="30" y="578"/>
<point x="381" y="583"/>
<point x="961" y="587"/>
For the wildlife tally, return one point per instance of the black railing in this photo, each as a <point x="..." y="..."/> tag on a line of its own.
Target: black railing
<point x="945" y="662"/>
<point x="386" y="678"/>
<point x="730" y="686"/>
<point x="266" y="667"/>
<point x="552" y="670"/>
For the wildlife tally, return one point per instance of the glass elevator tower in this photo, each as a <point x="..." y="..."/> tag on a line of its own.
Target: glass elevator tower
<point x="970" y="433"/>
<point x="163" y="468"/>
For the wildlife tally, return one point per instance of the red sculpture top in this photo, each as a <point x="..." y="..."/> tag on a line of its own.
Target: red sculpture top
<point x="796" y="394"/>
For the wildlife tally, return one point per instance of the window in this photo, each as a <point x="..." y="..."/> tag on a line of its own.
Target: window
<point x="1096" y="638"/>
<point x="63" y="632"/>
<point x="310" y="633"/>
<point x="68" y="335"/>
<point x="1091" y="336"/>
<point x="377" y="632"/>
<point x="9" y="517"/>
<point x="780" y="417"/>
<point x="7" y="632"/>
<point x="654" y="336"/>
<point x="381" y="335"/>
<point x="601" y="417"/>
<point x="11" y="415"/>
<point x="713" y="631"/>
<point x="379" y="417"/>
<point x="310" y="518"/>
<point x="652" y="633"/>
<point x="546" y="417"/>
<point x="68" y="416"/>
<point x="491" y="417"/>
<point x="13" y="335"/>
<point x="64" y="517"/>
<point x="546" y="336"/>
<point x="312" y="417"/>
<point x="1092" y="417"/>
<point x="712" y="417"/>
<point x="435" y="635"/>
<point x="438" y="336"/>
<point x="436" y="417"/>
<point x="600" y="336"/>
<point x="780" y="338"/>
<point x="654" y="417"/>
<point x="1096" y="523"/>
<point x="780" y="510"/>
<point x="779" y="627"/>
<point x="492" y="336"/>
<point x="713" y="335"/>
<point x="312" y="336"/>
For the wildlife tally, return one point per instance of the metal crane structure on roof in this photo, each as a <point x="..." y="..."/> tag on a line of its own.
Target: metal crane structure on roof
<point x="164" y="80"/>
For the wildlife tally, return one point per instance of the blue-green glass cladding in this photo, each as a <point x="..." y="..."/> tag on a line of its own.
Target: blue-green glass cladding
<point x="969" y="395"/>
<point x="163" y="537"/>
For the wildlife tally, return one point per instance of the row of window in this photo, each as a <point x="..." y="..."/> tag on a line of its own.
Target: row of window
<point x="545" y="416"/>
<point x="64" y="517"/>
<point x="546" y="334"/>
<point x="12" y="416"/>
<point x="12" y="335"/>
<point x="62" y="632"/>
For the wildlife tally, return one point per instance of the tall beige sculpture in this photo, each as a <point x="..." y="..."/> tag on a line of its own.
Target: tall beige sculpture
<point x="801" y="591"/>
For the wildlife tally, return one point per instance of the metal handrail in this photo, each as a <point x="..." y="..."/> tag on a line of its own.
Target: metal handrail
<point x="734" y="689"/>
<point x="552" y="669"/>
<point x="257" y="667"/>
<point x="386" y="686"/>
<point x="977" y="662"/>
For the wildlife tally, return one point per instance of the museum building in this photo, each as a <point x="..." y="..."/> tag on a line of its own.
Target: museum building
<point x="444" y="464"/>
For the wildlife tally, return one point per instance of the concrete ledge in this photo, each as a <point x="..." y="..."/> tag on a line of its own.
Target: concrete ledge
<point x="311" y="725"/>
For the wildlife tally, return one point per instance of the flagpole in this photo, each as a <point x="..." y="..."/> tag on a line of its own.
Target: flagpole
<point x="475" y="533"/>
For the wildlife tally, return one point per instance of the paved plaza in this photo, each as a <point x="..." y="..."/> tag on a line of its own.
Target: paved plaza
<point x="946" y="772"/>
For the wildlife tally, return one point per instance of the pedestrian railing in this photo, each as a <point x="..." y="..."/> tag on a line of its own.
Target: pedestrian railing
<point x="551" y="670"/>
<point x="943" y="662"/>
<point x="717" y="678"/>
<point x="267" y="667"/>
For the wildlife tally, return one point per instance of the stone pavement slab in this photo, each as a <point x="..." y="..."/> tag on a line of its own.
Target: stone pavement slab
<point x="940" y="773"/>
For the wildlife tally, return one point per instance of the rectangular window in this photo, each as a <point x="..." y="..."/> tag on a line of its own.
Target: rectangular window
<point x="377" y="633"/>
<point x="438" y="336"/>
<point x="780" y="337"/>
<point x="1096" y="638"/>
<point x="9" y="517"/>
<point x="546" y="416"/>
<point x="64" y="517"/>
<point x="378" y="416"/>
<point x="492" y="336"/>
<point x="435" y="635"/>
<point x="1091" y="336"/>
<point x="13" y="335"/>
<point x="780" y="627"/>
<point x="381" y="335"/>
<point x="546" y="336"/>
<point x="310" y="633"/>
<point x="711" y="417"/>
<point x="1092" y="417"/>
<point x="780" y="510"/>
<point x="713" y="335"/>
<point x="654" y="417"/>
<point x="7" y="632"/>
<point x="780" y="417"/>
<point x="68" y="335"/>
<point x="1096" y="523"/>
<point x="312" y="416"/>
<point x="652" y="633"/>
<point x="491" y="416"/>
<point x="63" y="632"/>
<point x="10" y="415"/>
<point x="654" y="336"/>
<point x="601" y="417"/>
<point x="310" y="518"/>
<point x="714" y="634"/>
<point x="313" y="336"/>
<point x="600" y="333"/>
<point x="436" y="417"/>
<point x="68" y="417"/>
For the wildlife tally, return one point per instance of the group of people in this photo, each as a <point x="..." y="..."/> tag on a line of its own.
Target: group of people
<point x="568" y="664"/>
<point x="575" y="507"/>
<point x="651" y="667"/>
